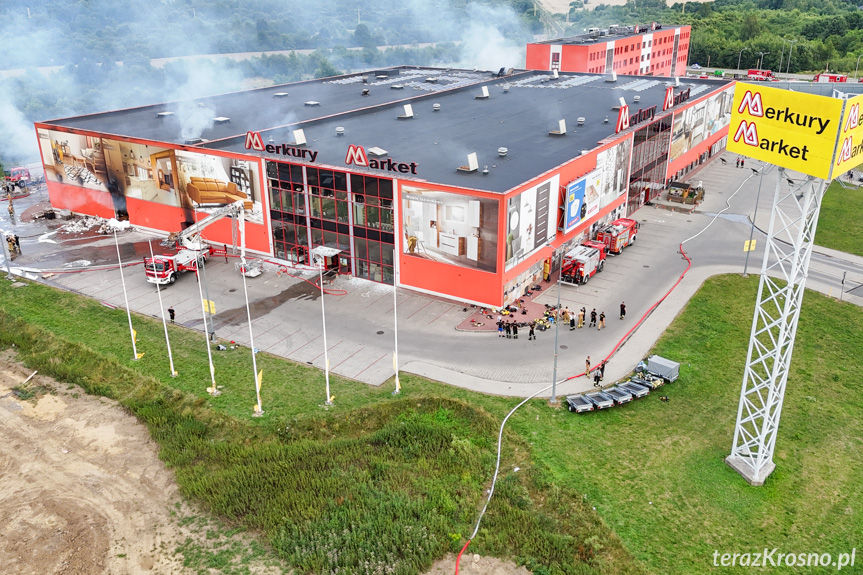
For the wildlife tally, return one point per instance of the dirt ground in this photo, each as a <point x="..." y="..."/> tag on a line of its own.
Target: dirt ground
<point x="83" y="492"/>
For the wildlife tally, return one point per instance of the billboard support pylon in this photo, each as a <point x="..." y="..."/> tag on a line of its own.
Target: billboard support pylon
<point x="788" y="249"/>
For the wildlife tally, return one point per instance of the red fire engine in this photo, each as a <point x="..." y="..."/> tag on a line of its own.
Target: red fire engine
<point x="582" y="262"/>
<point x="191" y="249"/>
<point x="760" y="75"/>
<point x="618" y="234"/>
<point x="824" y="77"/>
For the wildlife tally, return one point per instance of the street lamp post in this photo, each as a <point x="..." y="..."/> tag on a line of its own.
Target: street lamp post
<point x="321" y="262"/>
<point x="556" y="330"/>
<point x="857" y="66"/>
<point x="761" y="58"/>
<point x="739" y="54"/>
<point x="790" y="51"/>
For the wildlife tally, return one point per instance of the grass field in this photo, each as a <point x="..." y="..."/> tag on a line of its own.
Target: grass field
<point x="378" y="481"/>
<point x="840" y="226"/>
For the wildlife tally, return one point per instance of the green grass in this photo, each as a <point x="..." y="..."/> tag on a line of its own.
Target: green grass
<point x="380" y="480"/>
<point x="839" y="224"/>
<point x="374" y="484"/>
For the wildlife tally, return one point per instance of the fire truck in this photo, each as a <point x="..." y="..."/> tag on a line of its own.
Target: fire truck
<point x="824" y="77"/>
<point x="191" y="250"/>
<point x="582" y="263"/>
<point x="760" y="75"/>
<point x="618" y="234"/>
<point x="18" y="176"/>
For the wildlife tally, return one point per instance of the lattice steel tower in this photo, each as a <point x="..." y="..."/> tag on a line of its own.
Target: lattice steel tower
<point x="788" y="250"/>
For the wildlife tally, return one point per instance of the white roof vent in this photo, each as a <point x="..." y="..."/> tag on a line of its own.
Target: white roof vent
<point x="397" y="87"/>
<point x="164" y="114"/>
<point x="676" y="81"/>
<point x="280" y="95"/>
<point x="580" y="120"/>
<point x="409" y="113"/>
<point x="554" y="74"/>
<point x="612" y="78"/>
<point x="311" y="103"/>
<point x="505" y="88"/>
<point x="436" y="107"/>
<point x="483" y="95"/>
<point x="221" y="120"/>
<point x="299" y="138"/>
<point x="472" y="164"/>
<point x="636" y="99"/>
<point x="340" y="131"/>
<point x="431" y="80"/>
<point x="502" y="152"/>
<point x="375" y="151"/>
<point x="561" y="129"/>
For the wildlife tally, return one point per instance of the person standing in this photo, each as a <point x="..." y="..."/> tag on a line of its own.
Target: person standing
<point x="499" y="327"/>
<point x="508" y="329"/>
<point x="602" y="370"/>
<point x="742" y="162"/>
<point x="171" y="313"/>
<point x="622" y="309"/>
<point x="515" y="330"/>
<point x="17" y="243"/>
<point x="10" y="241"/>
<point x="596" y="378"/>
<point x="581" y="314"/>
<point x="572" y="322"/>
<point x="587" y="367"/>
<point x="530" y="333"/>
<point x="601" y="320"/>
<point x="592" y="318"/>
<point x="226" y="252"/>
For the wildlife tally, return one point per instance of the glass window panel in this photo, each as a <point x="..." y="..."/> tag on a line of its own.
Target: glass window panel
<point x="299" y="203"/>
<point x="371" y="186"/>
<point x="386" y="220"/>
<point x="374" y="252"/>
<point x="362" y="269"/>
<point x="312" y="176"/>
<point x="284" y="171"/>
<point x="281" y="250"/>
<point x="357" y="184"/>
<point x="274" y="199"/>
<point x="387" y="254"/>
<point x="344" y="242"/>
<point x="328" y="208"/>
<point x="317" y="237"/>
<point x="296" y="173"/>
<point x="388" y="275"/>
<point x="359" y="214"/>
<point x="372" y="201"/>
<point x="315" y="205"/>
<point x="331" y="239"/>
<point x="287" y="205"/>
<point x="342" y="212"/>
<point x="373" y="218"/>
<point x="340" y="181"/>
<point x="325" y="179"/>
<point x="342" y="196"/>
<point x="360" y="249"/>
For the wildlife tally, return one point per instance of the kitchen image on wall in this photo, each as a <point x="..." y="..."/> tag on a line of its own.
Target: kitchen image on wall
<point x="531" y="221"/>
<point x="450" y="228"/>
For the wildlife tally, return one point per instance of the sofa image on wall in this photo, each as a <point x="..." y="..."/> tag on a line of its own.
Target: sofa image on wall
<point x="211" y="191"/>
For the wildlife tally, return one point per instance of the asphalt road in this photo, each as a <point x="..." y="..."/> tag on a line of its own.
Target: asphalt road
<point x="286" y="310"/>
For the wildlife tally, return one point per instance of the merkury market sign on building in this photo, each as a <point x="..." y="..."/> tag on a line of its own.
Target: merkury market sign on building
<point x="816" y="135"/>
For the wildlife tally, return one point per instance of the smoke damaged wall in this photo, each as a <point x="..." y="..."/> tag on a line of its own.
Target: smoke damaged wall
<point x="60" y="58"/>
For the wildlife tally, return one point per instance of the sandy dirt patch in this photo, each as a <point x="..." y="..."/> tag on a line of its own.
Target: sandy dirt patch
<point x="83" y="492"/>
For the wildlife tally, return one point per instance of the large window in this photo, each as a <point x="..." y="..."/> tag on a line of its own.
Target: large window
<point x="649" y="159"/>
<point x="318" y="211"/>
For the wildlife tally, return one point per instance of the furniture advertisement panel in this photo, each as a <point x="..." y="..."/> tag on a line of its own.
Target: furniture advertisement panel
<point x="450" y="228"/>
<point x="582" y="200"/>
<point x="614" y="165"/>
<point x="700" y="121"/>
<point x="185" y="180"/>
<point x="531" y="221"/>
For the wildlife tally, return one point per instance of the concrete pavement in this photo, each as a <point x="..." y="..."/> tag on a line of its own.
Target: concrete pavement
<point x="286" y="310"/>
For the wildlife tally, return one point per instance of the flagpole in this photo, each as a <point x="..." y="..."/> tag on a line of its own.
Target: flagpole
<point x="213" y="390"/>
<point x="126" y="298"/>
<point x="162" y="309"/>
<point x="259" y="411"/>
<point x="321" y="262"/>
<point x="398" y="389"/>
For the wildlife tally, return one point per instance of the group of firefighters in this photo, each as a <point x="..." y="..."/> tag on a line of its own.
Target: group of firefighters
<point x="509" y="329"/>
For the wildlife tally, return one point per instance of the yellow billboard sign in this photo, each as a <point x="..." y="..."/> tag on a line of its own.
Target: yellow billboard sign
<point x="849" y="148"/>
<point x="790" y="129"/>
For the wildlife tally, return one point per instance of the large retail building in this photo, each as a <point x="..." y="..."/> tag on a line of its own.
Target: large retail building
<point x="451" y="182"/>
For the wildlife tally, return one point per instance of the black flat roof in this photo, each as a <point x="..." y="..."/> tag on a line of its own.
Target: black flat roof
<point x="521" y="110"/>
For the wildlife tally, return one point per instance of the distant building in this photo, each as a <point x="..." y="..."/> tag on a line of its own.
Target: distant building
<point x="645" y="50"/>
